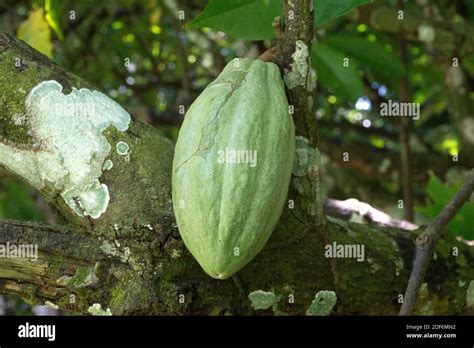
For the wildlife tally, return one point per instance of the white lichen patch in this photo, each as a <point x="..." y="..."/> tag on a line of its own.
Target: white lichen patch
<point x="51" y="305"/>
<point x="299" y="67"/>
<point x="175" y="254"/>
<point x="305" y="156"/>
<point x="323" y="303"/>
<point x="263" y="299"/>
<point x="18" y="119"/>
<point x="399" y="264"/>
<point x="108" y="165"/>
<point x="96" y="309"/>
<point x="70" y="148"/>
<point x="92" y="199"/>
<point x="423" y="290"/>
<point x="374" y="266"/>
<point x="111" y="250"/>
<point x="122" y="148"/>
<point x="63" y="280"/>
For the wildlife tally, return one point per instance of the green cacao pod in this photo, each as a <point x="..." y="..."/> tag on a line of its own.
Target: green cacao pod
<point x="232" y="166"/>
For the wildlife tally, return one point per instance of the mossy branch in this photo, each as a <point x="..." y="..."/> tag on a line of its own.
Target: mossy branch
<point x="63" y="267"/>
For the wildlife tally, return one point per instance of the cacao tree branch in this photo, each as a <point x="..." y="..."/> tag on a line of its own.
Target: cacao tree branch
<point x="141" y="264"/>
<point x="53" y="265"/>
<point x="296" y="32"/>
<point x="297" y="26"/>
<point x="426" y="242"/>
<point x="292" y="54"/>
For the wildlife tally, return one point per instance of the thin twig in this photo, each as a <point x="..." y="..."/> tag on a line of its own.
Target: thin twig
<point x="426" y="243"/>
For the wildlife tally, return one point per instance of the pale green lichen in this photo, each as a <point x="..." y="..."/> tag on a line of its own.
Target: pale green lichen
<point x="122" y="148"/>
<point x="110" y="249"/>
<point x="18" y="119"/>
<point x="323" y="303"/>
<point x="374" y="267"/>
<point x="175" y="254"/>
<point x="51" y="305"/>
<point x="299" y="67"/>
<point x="399" y="264"/>
<point x="69" y="148"/>
<point x="84" y="276"/>
<point x="96" y="309"/>
<point x="263" y="299"/>
<point x="92" y="200"/>
<point x="310" y="102"/>
<point x="63" y="280"/>
<point x="427" y="309"/>
<point x="305" y="156"/>
<point x="423" y="289"/>
<point x="108" y="165"/>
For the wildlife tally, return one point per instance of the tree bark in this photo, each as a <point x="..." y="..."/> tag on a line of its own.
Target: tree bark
<point x="132" y="260"/>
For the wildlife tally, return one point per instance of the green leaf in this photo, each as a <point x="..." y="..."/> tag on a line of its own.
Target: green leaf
<point x="16" y="201"/>
<point x="51" y="7"/>
<point x="438" y="192"/>
<point x="326" y="10"/>
<point x="470" y="10"/>
<point x="242" y="19"/>
<point x="343" y="81"/>
<point x="370" y="54"/>
<point x="439" y="196"/>
<point x="252" y="19"/>
<point x="36" y="32"/>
